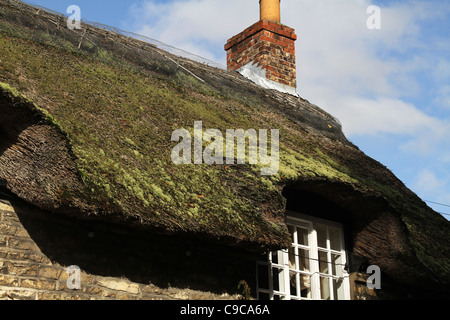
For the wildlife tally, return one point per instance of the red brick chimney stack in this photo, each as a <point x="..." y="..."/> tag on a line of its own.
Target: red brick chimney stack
<point x="267" y="44"/>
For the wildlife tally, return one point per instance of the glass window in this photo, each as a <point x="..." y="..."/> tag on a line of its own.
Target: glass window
<point x="302" y="236"/>
<point x="312" y="268"/>
<point x="325" y="288"/>
<point x="323" y="262"/>
<point x="336" y="265"/>
<point x="335" y="238"/>
<point x="303" y="257"/>
<point x="321" y="231"/>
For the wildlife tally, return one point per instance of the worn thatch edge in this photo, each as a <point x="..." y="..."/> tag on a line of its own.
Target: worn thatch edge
<point x="98" y="213"/>
<point x="17" y="97"/>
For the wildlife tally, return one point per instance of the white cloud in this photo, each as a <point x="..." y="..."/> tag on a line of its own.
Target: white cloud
<point x="433" y="187"/>
<point x="443" y="98"/>
<point x="372" y="116"/>
<point x="432" y="142"/>
<point x="199" y="26"/>
<point x="445" y="158"/>
<point x="428" y="183"/>
<point x="441" y="70"/>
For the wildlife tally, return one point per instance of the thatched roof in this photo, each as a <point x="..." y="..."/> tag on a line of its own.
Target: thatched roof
<point x="85" y="129"/>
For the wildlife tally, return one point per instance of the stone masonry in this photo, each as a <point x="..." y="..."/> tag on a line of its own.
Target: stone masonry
<point x="32" y="266"/>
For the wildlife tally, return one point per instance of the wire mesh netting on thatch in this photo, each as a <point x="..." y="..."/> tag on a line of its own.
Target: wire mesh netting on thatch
<point x="93" y="38"/>
<point x="111" y="45"/>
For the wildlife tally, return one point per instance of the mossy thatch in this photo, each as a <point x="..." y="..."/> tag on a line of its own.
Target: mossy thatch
<point x="117" y="103"/>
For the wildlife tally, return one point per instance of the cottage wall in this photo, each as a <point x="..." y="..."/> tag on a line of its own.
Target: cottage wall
<point x="36" y="249"/>
<point x="116" y="263"/>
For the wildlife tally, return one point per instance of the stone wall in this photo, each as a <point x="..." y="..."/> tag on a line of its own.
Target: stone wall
<point x="359" y="289"/>
<point x="269" y="45"/>
<point x="36" y="248"/>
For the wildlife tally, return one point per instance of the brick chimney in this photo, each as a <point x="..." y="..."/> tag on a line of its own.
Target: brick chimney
<point x="267" y="45"/>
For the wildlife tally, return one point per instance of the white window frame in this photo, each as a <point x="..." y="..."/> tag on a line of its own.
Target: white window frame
<point x="285" y="270"/>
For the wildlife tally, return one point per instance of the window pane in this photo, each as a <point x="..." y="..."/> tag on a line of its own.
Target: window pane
<point x="279" y="257"/>
<point x="323" y="262"/>
<point x="338" y="289"/>
<point x="302" y="236"/>
<point x="292" y="232"/>
<point x="263" y="277"/>
<point x="336" y="260"/>
<point x="294" y="281"/>
<point x="305" y="286"/>
<point x="321" y="235"/>
<point x="335" y="238"/>
<point x="303" y="258"/>
<point x="292" y="259"/>
<point x="324" y="288"/>
<point x="276" y="257"/>
<point x="277" y="276"/>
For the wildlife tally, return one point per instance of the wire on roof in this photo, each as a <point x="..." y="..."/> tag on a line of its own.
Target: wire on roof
<point x="440" y="204"/>
<point x="178" y="53"/>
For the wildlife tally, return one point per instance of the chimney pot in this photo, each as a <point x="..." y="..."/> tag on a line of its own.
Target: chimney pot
<point x="270" y="10"/>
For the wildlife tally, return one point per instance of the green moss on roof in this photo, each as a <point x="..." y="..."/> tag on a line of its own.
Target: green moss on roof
<point x="119" y="123"/>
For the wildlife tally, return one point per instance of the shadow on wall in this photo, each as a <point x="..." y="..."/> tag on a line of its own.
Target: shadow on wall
<point x="107" y="250"/>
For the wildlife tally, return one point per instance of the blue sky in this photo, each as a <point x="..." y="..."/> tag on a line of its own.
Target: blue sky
<point x="390" y="88"/>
